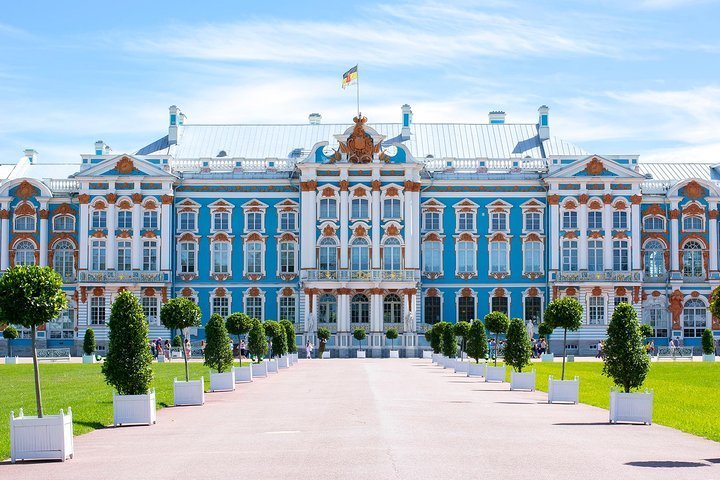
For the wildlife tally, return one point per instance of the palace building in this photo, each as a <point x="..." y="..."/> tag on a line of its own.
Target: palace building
<point x="372" y="225"/>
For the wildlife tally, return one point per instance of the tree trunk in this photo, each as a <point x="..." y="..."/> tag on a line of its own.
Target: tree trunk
<point x="562" y="377"/>
<point x="184" y="350"/>
<point x="496" y="348"/>
<point x="38" y="399"/>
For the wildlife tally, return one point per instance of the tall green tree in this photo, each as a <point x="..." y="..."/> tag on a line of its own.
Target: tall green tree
<point x="10" y="333"/>
<point x="626" y="360"/>
<point x="477" y="345"/>
<point x="545" y="330"/>
<point x="238" y="324"/>
<point x="181" y="314"/>
<point x="218" y="352"/>
<point x="434" y="336"/>
<point x="565" y="313"/>
<point x="519" y="348"/>
<point x="277" y="336"/>
<point x="289" y="335"/>
<point x="257" y="343"/>
<point x="359" y="335"/>
<point x="89" y="344"/>
<point x="31" y="296"/>
<point x="708" y="342"/>
<point x="448" y="340"/>
<point x="128" y="364"/>
<point x="324" y="335"/>
<point x="392" y="334"/>
<point x="462" y="330"/>
<point x="497" y="323"/>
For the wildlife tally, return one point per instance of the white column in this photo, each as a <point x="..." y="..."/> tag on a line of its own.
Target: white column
<point x="635" y="233"/>
<point x="83" y="220"/>
<point x="674" y="237"/>
<point x="344" y="223"/>
<point x="376" y="313"/>
<point x="583" y="225"/>
<point x="165" y="233"/>
<point x="136" y="238"/>
<point x="308" y="221"/>
<point x="554" y="235"/>
<point x="43" y="234"/>
<point x="5" y="237"/>
<point x="608" y="240"/>
<point x="415" y="237"/>
<point x="376" y="222"/>
<point x="343" y="320"/>
<point x="408" y="225"/>
<point x="713" y="234"/>
<point x="111" y="257"/>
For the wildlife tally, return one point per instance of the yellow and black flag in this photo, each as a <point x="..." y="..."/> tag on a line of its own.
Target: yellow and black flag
<point x="350" y="77"/>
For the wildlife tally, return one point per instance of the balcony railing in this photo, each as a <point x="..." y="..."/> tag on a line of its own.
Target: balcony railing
<point x="135" y="276"/>
<point x="606" y="276"/>
<point x="364" y="275"/>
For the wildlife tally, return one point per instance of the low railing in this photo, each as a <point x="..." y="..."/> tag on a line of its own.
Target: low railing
<point x="485" y="165"/>
<point x="226" y="164"/>
<point x="364" y="275"/>
<point x="606" y="276"/>
<point x="135" y="276"/>
<point x="675" y="352"/>
<point x="53" y="353"/>
<point x="63" y="185"/>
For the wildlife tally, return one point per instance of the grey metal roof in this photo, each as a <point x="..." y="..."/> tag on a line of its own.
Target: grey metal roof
<point x="678" y="171"/>
<point x="39" y="171"/>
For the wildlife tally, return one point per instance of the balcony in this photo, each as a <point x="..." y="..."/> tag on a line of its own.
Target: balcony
<point x="112" y="276"/>
<point x="606" y="276"/>
<point x="363" y="275"/>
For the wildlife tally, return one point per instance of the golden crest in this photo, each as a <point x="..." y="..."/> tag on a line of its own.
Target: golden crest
<point x="125" y="166"/>
<point x="25" y="190"/>
<point x="359" y="146"/>
<point x="693" y="190"/>
<point x="594" y="167"/>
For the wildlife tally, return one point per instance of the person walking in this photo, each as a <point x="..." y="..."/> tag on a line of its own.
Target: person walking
<point x="308" y="350"/>
<point x="188" y="349"/>
<point x="599" y="350"/>
<point x="166" y="349"/>
<point x="242" y="349"/>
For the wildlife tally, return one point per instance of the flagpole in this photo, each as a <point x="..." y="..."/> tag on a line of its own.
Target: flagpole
<point x="357" y="84"/>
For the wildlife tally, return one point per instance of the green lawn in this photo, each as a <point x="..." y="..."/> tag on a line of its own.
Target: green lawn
<point x="81" y="387"/>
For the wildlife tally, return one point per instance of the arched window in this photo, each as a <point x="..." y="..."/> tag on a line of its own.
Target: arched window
<point x="654" y="224"/>
<point x="64" y="223"/>
<point x="359" y="309"/>
<point x="432" y="257"/>
<point x="24" y="253"/>
<point x="692" y="260"/>
<point x="328" y="209"/>
<point x="692" y="223"/>
<point x="694" y="318"/>
<point x="391" y="208"/>
<point x="392" y="309"/>
<point x="499" y="257"/>
<point x="569" y="256"/>
<point x="25" y="223"/>
<point x="391" y="254"/>
<point x="359" y="255"/>
<point x="327" y="309"/>
<point x="64" y="259"/>
<point x="359" y="209"/>
<point x="328" y="255"/>
<point x="221" y="256"/>
<point x="466" y="257"/>
<point x="533" y="257"/>
<point x="654" y="259"/>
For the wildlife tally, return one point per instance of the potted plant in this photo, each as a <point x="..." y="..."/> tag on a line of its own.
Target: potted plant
<point x="435" y="339"/>
<point x="89" y="346"/>
<point x="544" y="331"/>
<point x="279" y="343"/>
<point x="31" y="296"/>
<point x="10" y="333"/>
<point x="218" y="355"/>
<point x="290" y="340"/>
<point x="497" y="323"/>
<point x="182" y="314"/>
<point x="477" y="348"/>
<point x="462" y="330"/>
<point x="518" y="351"/>
<point x="428" y="353"/>
<point x="127" y="366"/>
<point x="271" y="333"/>
<point x="359" y="335"/>
<point x="708" y="346"/>
<point x="391" y="334"/>
<point x="565" y="313"/>
<point x="257" y="344"/>
<point x="240" y="324"/>
<point x="627" y="363"/>
<point x="323" y="335"/>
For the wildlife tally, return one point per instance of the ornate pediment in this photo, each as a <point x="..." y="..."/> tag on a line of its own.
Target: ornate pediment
<point x="359" y="146"/>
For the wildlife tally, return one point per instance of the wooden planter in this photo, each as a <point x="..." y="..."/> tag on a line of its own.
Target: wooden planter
<point x="563" y="390"/>
<point x="631" y="407"/>
<point x="189" y="393"/>
<point x="47" y="438"/>
<point x="243" y="374"/>
<point x="134" y="409"/>
<point x="222" y="382"/>
<point x="522" y="380"/>
<point x="495" y="374"/>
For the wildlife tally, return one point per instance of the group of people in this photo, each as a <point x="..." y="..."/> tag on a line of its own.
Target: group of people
<point x="162" y="348"/>
<point x="540" y="347"/>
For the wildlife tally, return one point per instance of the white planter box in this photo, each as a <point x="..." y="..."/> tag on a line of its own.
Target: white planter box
<point x="326" y="355"/>
<point x="427" y="354"/>
<point x="563" y="390"/>
<point x="495" y="374"/>
<point x="394" y="353"/>
<point x="448" y="362"/>
<point x="243" y="374"/>
<point x="134" y="409"/>
<point x="283" y="362"/>
<point x="33" y="438"/>
<point x="88" y="358"/>
<point x="12" y="361"/>
<point x="547" y="357"/>
<point x="259" y="369"/>
<point x="295" y="357"/>
<point x="476" y="369"/>
<point x="522" y="380"/>
<point x="272" y="366"/>
<point x="435" y="358"/>
<point x="708" y="357"/>
<point x="461" y="367"/>
<point x="189" y="393"/>
<point x="222" y="382"/>
<point x="161" y="359"/>
<point x="361" y="354"/>
<point x="631" y="407"/>
<point x="570" y="358"/>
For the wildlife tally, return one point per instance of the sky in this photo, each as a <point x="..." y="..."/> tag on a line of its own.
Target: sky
<point x="620" y="77"/>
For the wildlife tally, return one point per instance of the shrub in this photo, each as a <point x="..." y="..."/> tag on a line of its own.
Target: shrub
<point x="392" y="334"/>
<point x="177" y="341"/>
<point x="127" y="366"/>
<point x="257" y="343"/>
<point x="289" y="335"/>
<point x="323" y="334"/>
<point x="497" y="323"/>
<point x="545" y="330"/>
<point x="238" y="324"/>
<point x="89" y="344"/>
<point x="646" y="330"/>
<point x="448" y="340"/>
<point x="626" y="360"/>
<point x="518" y="349"/>
<point x="180" y="314"/>
<point x="359" y="335"/>
<point x="715" y="302"/>
<point x="435" y="334"/>
<point x="10" y="333"/>
<point x="565" y="313"/>
<point x="462" y="330"/>
<point x="708" y="342"/>
<point x="218" y="353"/>
<point x="277" y="335"/>
<point x="477" y="346"/>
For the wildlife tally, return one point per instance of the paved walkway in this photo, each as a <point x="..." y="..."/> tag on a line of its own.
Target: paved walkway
<point x="381" y="419"/>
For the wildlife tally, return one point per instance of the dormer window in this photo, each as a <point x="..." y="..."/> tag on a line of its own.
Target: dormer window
<point x="221" y="221"/>
<point x="466" y="221"/>
<point x="25" y="223"/>
<point x="498" y="221"/>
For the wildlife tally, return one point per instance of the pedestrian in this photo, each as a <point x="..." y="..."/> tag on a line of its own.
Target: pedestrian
<point x="188" y="349"/>
<point x="242" y="349"/>
<point x="202" y="347"/>
<point x="308" y="350"/>
<point x="599" y="350"/>
<point x="159" y="349"/>
<point x="153" y="350"/>
<point x="166" y="349"/>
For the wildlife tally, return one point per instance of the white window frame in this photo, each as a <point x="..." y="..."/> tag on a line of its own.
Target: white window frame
<point x="124" y="214"/>
<point x="280" y="262"/>
<point x="98" y="220"/>
<point x="474" y="257"/>
<point x="195" y="257"/>
<point x="425" y="246"/>
<point x="247" y="308"/>
<point x="189" y="215"/>
<point x="150" y="305"/>
<point x="66" y="218"/>
<point x="596" y="313"/>
<point x="99" y="245"/>
<point x="125" y="246"/>
<point x="150" y="220"/>
<point x="246" y="256"/>
<point x="495" y="269"/>
<point x="541" y="268"/>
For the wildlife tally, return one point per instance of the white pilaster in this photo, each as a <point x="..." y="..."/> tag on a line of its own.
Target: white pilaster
<point x="44" y="236"/>
<point x="608" y="240"/>
<point x="415" y="237"/>
<point x="376" y="313"/>
<point x="308" y="222"/>
<point x="5" y="236"/>
<point x="674" y="237"/>
<point x="165" y="234"/>
<point x="408" y="224"/>
<point x="635" y="235"/>
<point x="376" y="220"/>
<point x="344" y="221"/>
<point x="111" y="256"/>
<point x="343" y="317"/>
<point x="83" y="220"/>
<point x="136" y="261"/>
<point x="554" y="236"/>
<point x="583" y="225"/>
<point x="713" y="234"/>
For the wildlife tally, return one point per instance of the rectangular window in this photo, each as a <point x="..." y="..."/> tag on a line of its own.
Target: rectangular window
<point x="466" y="257"/>
<point x="359" y="209"/>
<point x="432" y="311"/>
<point x="288" y="221"/>
<point x="654" y="224"/>
<point x="569" y="220"/>
<point x="124" y="256"/>
<point x="533" y="222"/>
<point x="569" y="256"/>
<point x="431" y="221"/>
<point x="498" y="221"/>
<point x="656" y="318"/>
<point x="221" y="257"/>
<point x="221" y="221"/>
<point x="466" y="309"/>
<point x="124" y="219"/>
<point x="595" y="255"/>
<point x="499" y="257"/>
<point x="150" y="256"/>
<point x="254" y="307"/>
<point x="287" y="257"/>
<point x="466" y="221"/>
<point x="97" y="251"/>
<point x="533" y="257"/>
<point x="99" y="219"/>
<point x="254" y="258"/>
<point x="618" y="300"/>
<point x="188" y="259"/>
<point x="186" y="221"/>
<point x="150" y="220"/>
<point x="432" y="259"/>
<point x="287" y="308"/>
<point x="533" y="310"/>
<point x="499" y="304"/>
<point x="391" y="208"/>
<point x="221" y="306"/>
<point x="254" y="221"/>
<point x="596" y="311"/>
<point x="621" y="254"/>
<point x="150" y="309"/>
<point x="97" y="311"/>
<point x="595" y="220"/>
<point x="328" y="209"/>
<point x="620" y="220"/>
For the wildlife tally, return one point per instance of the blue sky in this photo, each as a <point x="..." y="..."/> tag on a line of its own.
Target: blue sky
<point x="639" y="76"/>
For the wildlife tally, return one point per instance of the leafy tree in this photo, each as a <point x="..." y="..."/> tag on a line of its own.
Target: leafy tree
<point x="257" y="343"/>
<point x="278" y="337"/>
<point x="180" y="314"/>
<point x="238" y="324"/>
<point x="89" y="344"/>
<point x="626" y="361"/>
<point x="708" y="342"/>
<point x="646" y="330"/>
<point x="218" y="353"/>
<point x="392" y="334"/>
<point x="497" y="323"/>
<point x="289" y="335"/>
<point x="545" y="330"/>
<point x="565" y="313"/>
<point x="359" y="335"/>
<point x="518" y="349"/>
<point x="462" y="330"/>
<point x="31" y="296"/>
<point x="127" y="366"/>
<point x="323" y="334"/>
<point x="477" y="346"/>
<point x="10" y="333"/>
<point x="715" y="302"/>
<point x="177" y="341"/>
<point x="448" y="340"/>
<point x="435" y="334"/>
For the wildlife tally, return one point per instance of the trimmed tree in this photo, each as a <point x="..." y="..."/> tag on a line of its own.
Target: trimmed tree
<point x="218" y="353"/>
<point x="359" y="335"/>
<point x="127" y="366"/>
<point x="625" y="359"/>
<point x="323" y="334"/>
<point x="277" y="335"/>
<point x="10" y="333"/>
<point x="257" y="343"/>
<point x="715" y="302"/>
<point x="89" y="344"/>
<point x="434" y="336"/>
<point x="238" y="324"/>
<point x="289" y="335"/>
<point x="545" y="330"/>
<point x="646" y="330"/>
<point x="462" y="330"/>
<point x="31" y="296"/>
<point x="392" y="334"/>
<point x="448" y="340"/>
<point x="518" y="349"/>
<point x="180" y="314"/>
<point x="477" y="346"/>
<point x="565" y="313"/>
<point x="708" y="342"/>
<point x="177" y="341"/>
<point x="497" y="323"/>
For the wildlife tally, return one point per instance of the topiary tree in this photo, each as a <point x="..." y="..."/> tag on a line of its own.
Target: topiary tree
<point x="477" y="346"/>
<point x="626" y="361"/>
<point x="708" y="342"/>
<point x="238" y="324"/>
<point x="359" y="335"/>
<point x="565" y="313"/>
<point x="462" y="330"/>
<point x="257" y="343"/>
<point x="289" y="335"/>
<point x="127" y="366"/>
<point x="181" y="314"/>
<point x="89" y="344"/>
<point x="435" y="339"/>
<point x="391" y="333"/>
<point x="271" y="327"/>
<point x="10" y="333"/>
<point x="545" y="330"/>
<point x="218" y="353"/>
<point x="277" y="335"/>
<point x="448" y="340"/>
<point x="177" y="341"/>
<point x="497" y="323"/>
<point x="31" y="296"/>
<point x="715" y="302"/>
<point x="518" y="349"/>
<point x="646" y="330"/>
<point x="323" y="334"/>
